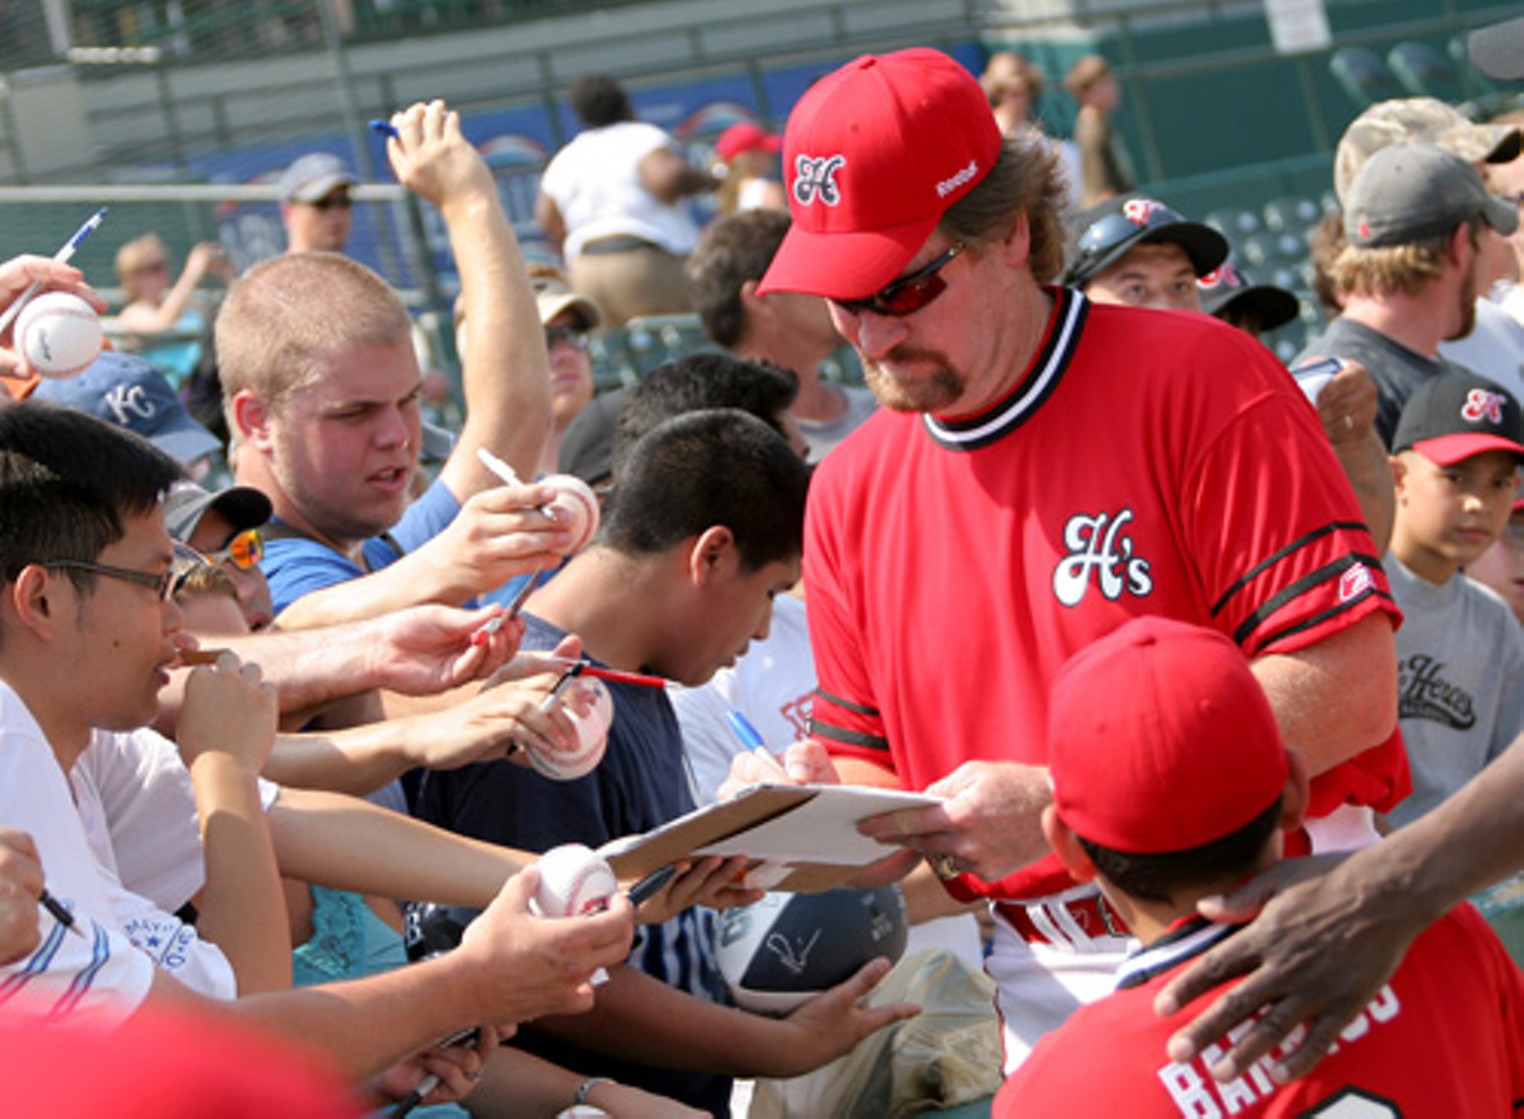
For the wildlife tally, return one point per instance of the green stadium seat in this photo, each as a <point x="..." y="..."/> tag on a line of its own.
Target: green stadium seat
<point x="1292" y="214"/>
<point x="1364" y="76"/>
<point x="1425" y="72"/>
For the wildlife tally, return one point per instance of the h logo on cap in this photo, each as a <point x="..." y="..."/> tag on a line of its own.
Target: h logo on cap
<point x="1140" y="211"/>
<point x="126" y="401"/>
<point x="1482" y="405"/>
<point x="816" y="178"/>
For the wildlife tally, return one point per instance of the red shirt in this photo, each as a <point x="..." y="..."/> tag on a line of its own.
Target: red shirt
<point x="1146" y="463"/>
<point x="1444" y="1038"/>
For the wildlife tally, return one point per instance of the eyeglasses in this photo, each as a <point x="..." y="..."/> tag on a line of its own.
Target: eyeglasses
<point x="908" y="294"/>
<point x="162" y="584"/>
<point x="243" y="551"/>
<point x="1103" y="235"/>
<point x="573" y="336"/>
<point x="339" y="201"/>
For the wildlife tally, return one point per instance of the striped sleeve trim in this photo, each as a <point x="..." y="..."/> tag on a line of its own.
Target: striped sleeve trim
<point x="1320" y="618"/>
<point x="847" y="704"/>
<point x="846" y="737"/>
<point x="1270" y="561"/>
<point x="1292" y="591"/>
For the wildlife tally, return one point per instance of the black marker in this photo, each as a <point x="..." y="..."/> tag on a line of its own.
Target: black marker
<point x="60" y="914"/>
<point x="651" y="884"/>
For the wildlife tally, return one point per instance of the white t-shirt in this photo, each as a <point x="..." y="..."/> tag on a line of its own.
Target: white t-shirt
<point x="595" y="183"/>
<point x="99" y="976"/>
<point x="1494" y="349"/>
<point x="773" y="685"/>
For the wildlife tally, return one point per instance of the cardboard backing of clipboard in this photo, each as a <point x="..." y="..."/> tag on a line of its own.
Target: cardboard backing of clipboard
<point x="637" y="856"/>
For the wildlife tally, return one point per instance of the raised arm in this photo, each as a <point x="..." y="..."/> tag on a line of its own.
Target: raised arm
<point x="506" y="375"/>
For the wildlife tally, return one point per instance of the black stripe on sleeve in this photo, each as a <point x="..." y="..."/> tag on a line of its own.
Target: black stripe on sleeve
<point x="847" y="704"/>
<point x="848" y="737"/>
<point x="1324" y="574"/>
<point x="1276" y="557"/>
<point x="1318" y="619"/>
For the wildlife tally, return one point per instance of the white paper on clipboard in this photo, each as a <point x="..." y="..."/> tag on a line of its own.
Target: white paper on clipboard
<point x="823" y="829"/>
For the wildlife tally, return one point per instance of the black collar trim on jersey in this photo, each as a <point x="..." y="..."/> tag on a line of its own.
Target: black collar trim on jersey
<point x="1191" y="939"/>
<point x="1070" y="308"/>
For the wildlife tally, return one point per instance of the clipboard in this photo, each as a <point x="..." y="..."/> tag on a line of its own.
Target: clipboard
<point x="805" y="836"/>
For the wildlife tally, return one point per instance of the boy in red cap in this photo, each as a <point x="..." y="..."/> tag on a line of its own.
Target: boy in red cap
<point x="1460" y="652"/>
<point x="1042" y="469"/>
<point x="1170" y="783"/>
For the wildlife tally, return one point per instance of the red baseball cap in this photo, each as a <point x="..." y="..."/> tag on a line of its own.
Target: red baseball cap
<point x="1160" y="739"/>
<point x="873" y="156"/>
<point x="745" y="137"/>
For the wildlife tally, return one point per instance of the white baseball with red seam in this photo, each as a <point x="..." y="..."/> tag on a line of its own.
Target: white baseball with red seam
<point x="592" y="733"/>
<point x="58" y="334"/>
<point x="574" y="881"/>
<point x="575" y="506"/>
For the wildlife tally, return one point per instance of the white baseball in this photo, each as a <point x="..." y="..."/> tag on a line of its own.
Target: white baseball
<point x="592" y="736"/>
<point x="576" y="506"/>
<point x="574" y="880"/>
<point x="59" y="334"/>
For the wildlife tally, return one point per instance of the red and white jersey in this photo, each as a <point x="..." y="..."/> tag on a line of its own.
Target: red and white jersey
<point x="1146" y="463"/>
<point x="1444" y="1037"/>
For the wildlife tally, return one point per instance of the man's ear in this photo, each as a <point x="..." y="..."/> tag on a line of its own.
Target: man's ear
<point x="1017" y="246"/>
<point x="251" y="420"/>
<point x="713" y="556"/>
<point x="1066" y="846"/>
<point x="32" y="600"/>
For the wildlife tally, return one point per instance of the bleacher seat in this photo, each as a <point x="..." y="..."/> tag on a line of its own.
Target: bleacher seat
<point x="1235" y="224"/>
<point x="1425" y="72"/>
<point x="1292" y="214"/>
<point x="1364" y="76"/>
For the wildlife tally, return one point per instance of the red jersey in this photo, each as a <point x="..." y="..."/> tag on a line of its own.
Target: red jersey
<point x="1444" y="1037"/>
<point x="1145" y="463"/>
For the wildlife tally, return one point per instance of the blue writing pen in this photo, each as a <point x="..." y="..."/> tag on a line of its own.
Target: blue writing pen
<point x="747" y="733"/>
<point x="386" y="128"/>
<point x="63" y="256"/>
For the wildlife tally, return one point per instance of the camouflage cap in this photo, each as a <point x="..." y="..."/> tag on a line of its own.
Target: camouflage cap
<point x="1419" y="120"/>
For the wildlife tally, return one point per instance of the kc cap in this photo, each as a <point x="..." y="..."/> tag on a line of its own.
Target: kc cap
<point x="1160" y="739"/>
<point x="314" y="176"/>
<point x="127" y="391"/>
<point x="1407" y="192"/>
<point x="1102" y="235"/>
<point x="873" y="156"/>
<point x="1454" y="417"/>
<point x="1419" y="120"/>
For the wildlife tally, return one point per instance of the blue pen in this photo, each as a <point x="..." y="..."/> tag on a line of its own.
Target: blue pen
<point x="386" y="128"/>
<point x="63" y="256"/>
<point x="747" y="733"/>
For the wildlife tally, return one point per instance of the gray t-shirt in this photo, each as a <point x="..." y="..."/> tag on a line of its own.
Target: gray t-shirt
<point x="822" y="435"/>
<point x="1398" y="371"/>
<point x="1460" y="682"/>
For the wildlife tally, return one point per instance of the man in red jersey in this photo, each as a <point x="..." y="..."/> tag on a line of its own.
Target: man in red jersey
<point x="1141" y="717"/>
<point x="1043" y="470"/>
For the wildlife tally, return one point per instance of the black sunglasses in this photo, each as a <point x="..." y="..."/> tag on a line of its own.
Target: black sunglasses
<point x="337" y="201"/>
<point x="908" y="294"/>
<point x="573" y="336"/>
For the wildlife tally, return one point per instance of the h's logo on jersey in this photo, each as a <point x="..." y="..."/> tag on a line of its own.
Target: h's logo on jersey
<point x="1482" y="407"/>
<point x="815" y="177"/>
<point x="1097" y="544"/>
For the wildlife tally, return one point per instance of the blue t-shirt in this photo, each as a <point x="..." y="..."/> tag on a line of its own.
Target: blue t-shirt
<point x="296" y="565"/>
<point x="641" y="783"/>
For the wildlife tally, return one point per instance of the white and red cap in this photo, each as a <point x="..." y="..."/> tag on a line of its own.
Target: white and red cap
<point x="746" y="136"/>
<point x="1160" y="739"/>
<point x="873" y="156"/>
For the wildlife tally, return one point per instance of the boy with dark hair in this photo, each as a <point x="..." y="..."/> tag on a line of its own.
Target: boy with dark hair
<point x="87" y="633"/>
<point x="703" y="527"/>
<point x="1161" y="712"/>
<point x="1460" y="653"/>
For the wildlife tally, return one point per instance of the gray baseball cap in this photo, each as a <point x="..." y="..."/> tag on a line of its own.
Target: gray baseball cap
<point x="314" y="176"/>
<point x="186" y="502"/>
<point x="1407" y="192"/>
